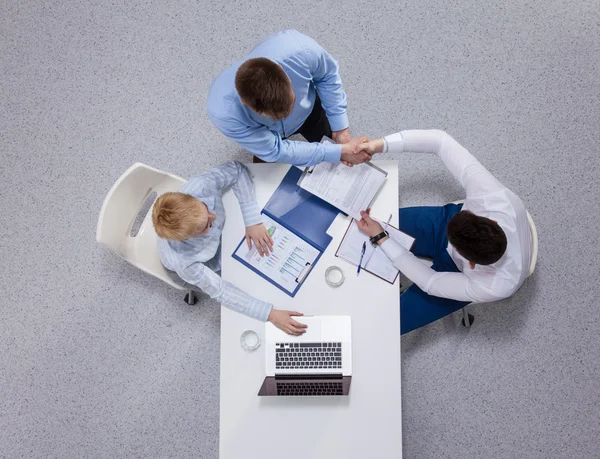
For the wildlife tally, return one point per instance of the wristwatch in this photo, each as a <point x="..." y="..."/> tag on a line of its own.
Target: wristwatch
<point x="375" y="239"/>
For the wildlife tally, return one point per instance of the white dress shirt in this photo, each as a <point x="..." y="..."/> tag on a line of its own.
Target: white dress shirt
<point x="486" y="197"/>
<point x="195" y="260"/>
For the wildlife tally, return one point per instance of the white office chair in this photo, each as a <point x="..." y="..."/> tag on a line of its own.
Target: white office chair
<point x="468" y="318"/>
<point x="125" y="222"/>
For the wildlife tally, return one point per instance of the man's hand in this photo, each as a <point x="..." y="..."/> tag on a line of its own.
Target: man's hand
<point x="342" y="136"/>
<point x="283" y="320"/>
<point x="259" y="235"/>
<point x="371" y="147"/>
<point x="350" y="155"/>
<point x="369" y="226"/>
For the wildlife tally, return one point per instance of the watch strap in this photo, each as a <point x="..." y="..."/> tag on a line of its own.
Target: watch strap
<point x="378" y="237"/>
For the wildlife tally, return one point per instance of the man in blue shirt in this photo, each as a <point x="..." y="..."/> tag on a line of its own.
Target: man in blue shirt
<point x="288" y="84"/>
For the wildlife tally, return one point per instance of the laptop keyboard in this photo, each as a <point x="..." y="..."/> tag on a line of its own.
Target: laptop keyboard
<point x="310" y="388"/>
<point x="290" y="356"/>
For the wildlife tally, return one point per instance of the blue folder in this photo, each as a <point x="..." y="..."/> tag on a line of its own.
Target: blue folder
<point x="301" y="213"/>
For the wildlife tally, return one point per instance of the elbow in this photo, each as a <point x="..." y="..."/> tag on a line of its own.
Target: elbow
<point x="440" y="136"/>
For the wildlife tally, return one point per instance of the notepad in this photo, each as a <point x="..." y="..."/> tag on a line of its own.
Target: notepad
<point x="350" y="189"/>
<point x="375" y="260"/>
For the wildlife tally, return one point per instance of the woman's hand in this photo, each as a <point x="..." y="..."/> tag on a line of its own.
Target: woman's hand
<point x="283" y="320"/>
<point x="261" y="238"/>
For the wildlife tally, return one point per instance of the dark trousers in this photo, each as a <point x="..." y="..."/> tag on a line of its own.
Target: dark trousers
<point x="316" y="125"/>
<point x="314" y="128"/>
<point x="428" y="226"/>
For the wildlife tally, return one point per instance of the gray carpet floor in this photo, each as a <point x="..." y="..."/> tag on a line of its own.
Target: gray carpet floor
<point x="99" y="360"/>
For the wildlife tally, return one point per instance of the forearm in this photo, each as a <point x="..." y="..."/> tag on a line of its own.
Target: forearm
<point x="442" y="284"/>
<point x="473" y="176"/>
<point x="415" y="141"/>
<point x="302" y="154"/>
<point x="239" y="301"/>
<point x="224" y="292"/>
<point x="270" y="147"/>
<point x="244" y="191"/>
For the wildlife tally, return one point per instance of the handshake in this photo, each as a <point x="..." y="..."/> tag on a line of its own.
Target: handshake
<point x="359" y="149"/>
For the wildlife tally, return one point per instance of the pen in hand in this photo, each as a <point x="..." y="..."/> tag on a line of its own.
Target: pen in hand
<point x="362" y="254"/>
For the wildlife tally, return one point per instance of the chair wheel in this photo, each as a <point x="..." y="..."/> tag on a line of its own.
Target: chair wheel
<point x="470" y="318"/>
<point x="194" y="299"/>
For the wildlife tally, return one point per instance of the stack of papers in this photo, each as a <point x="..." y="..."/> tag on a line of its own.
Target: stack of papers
<point x="350" y="189"/>
<point x="375" y="260"/>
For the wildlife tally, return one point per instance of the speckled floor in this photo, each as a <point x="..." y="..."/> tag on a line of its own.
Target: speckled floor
<point x="99" y="360"/>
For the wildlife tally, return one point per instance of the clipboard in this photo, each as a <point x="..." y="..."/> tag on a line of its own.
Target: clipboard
<point x="306" y="219"/>
<point x="365" y="267"/>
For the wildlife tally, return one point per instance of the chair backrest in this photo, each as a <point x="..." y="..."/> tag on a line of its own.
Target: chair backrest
<point x="534" y="240"/>
<point x="125" y="222"/>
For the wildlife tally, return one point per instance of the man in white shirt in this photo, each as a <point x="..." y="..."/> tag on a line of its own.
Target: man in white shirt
<point x="481" y="250"/>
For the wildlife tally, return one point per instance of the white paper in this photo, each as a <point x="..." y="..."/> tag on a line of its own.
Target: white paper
<point x="375" y="260"/>
<point x="289" y="257"/>
<point x="350" y="189"/>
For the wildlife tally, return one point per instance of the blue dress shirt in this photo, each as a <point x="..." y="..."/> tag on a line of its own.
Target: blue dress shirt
<point x="195" y="260"/>
<point x="310" y="68"/>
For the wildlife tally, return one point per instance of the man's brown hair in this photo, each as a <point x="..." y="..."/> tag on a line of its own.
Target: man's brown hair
<point x="265" y="88"/>
<point x="177" y="216"/>
<point x="479" y="239"/>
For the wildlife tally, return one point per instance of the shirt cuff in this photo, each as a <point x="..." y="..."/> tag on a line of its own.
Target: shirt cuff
<point x="395" y="143"/>
<point x="262" y="311"/>
<point x="251" y="213"/>
<point x="332" y="152"/>
<point x="393" y="249"/>
<point x="338" y="122"/>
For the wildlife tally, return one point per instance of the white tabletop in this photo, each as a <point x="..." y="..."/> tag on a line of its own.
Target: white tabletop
<point x="367" y="423"/>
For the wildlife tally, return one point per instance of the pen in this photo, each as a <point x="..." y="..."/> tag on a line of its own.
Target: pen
<point x="362" y="254"/>
<point x="387" y="223"/>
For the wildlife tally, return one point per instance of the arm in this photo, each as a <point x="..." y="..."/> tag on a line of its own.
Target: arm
<point x="235" y="175"/>
<point x="270" y="147"/>
<point x="326" y="76"/>
<point x="455" y="286"/>
<point x="474" y="177"/>
<point x="239" y="301"/>
<point x="224" y="292"/>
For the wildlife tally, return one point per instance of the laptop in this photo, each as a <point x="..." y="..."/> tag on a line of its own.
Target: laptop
<point x="318" y="363"/>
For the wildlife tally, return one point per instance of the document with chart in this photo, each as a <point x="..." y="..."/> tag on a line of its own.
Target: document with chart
<point x="350" y="189"/>
<point x="289" y="263"/>
<point x="298" y="222"/>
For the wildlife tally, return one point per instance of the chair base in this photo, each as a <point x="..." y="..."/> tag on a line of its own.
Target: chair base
<point x="190" y="298"/>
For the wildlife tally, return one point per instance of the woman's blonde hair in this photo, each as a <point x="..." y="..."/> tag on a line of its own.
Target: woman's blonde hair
<point x="178" y="216"/>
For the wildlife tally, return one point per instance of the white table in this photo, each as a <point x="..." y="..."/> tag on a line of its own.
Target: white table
<point x="367" y="423"/>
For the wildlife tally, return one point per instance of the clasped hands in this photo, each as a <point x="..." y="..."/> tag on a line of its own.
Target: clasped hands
<point x="355" y="150"/>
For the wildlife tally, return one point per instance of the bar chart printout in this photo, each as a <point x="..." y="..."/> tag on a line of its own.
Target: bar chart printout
<point x="290" y="259"/>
